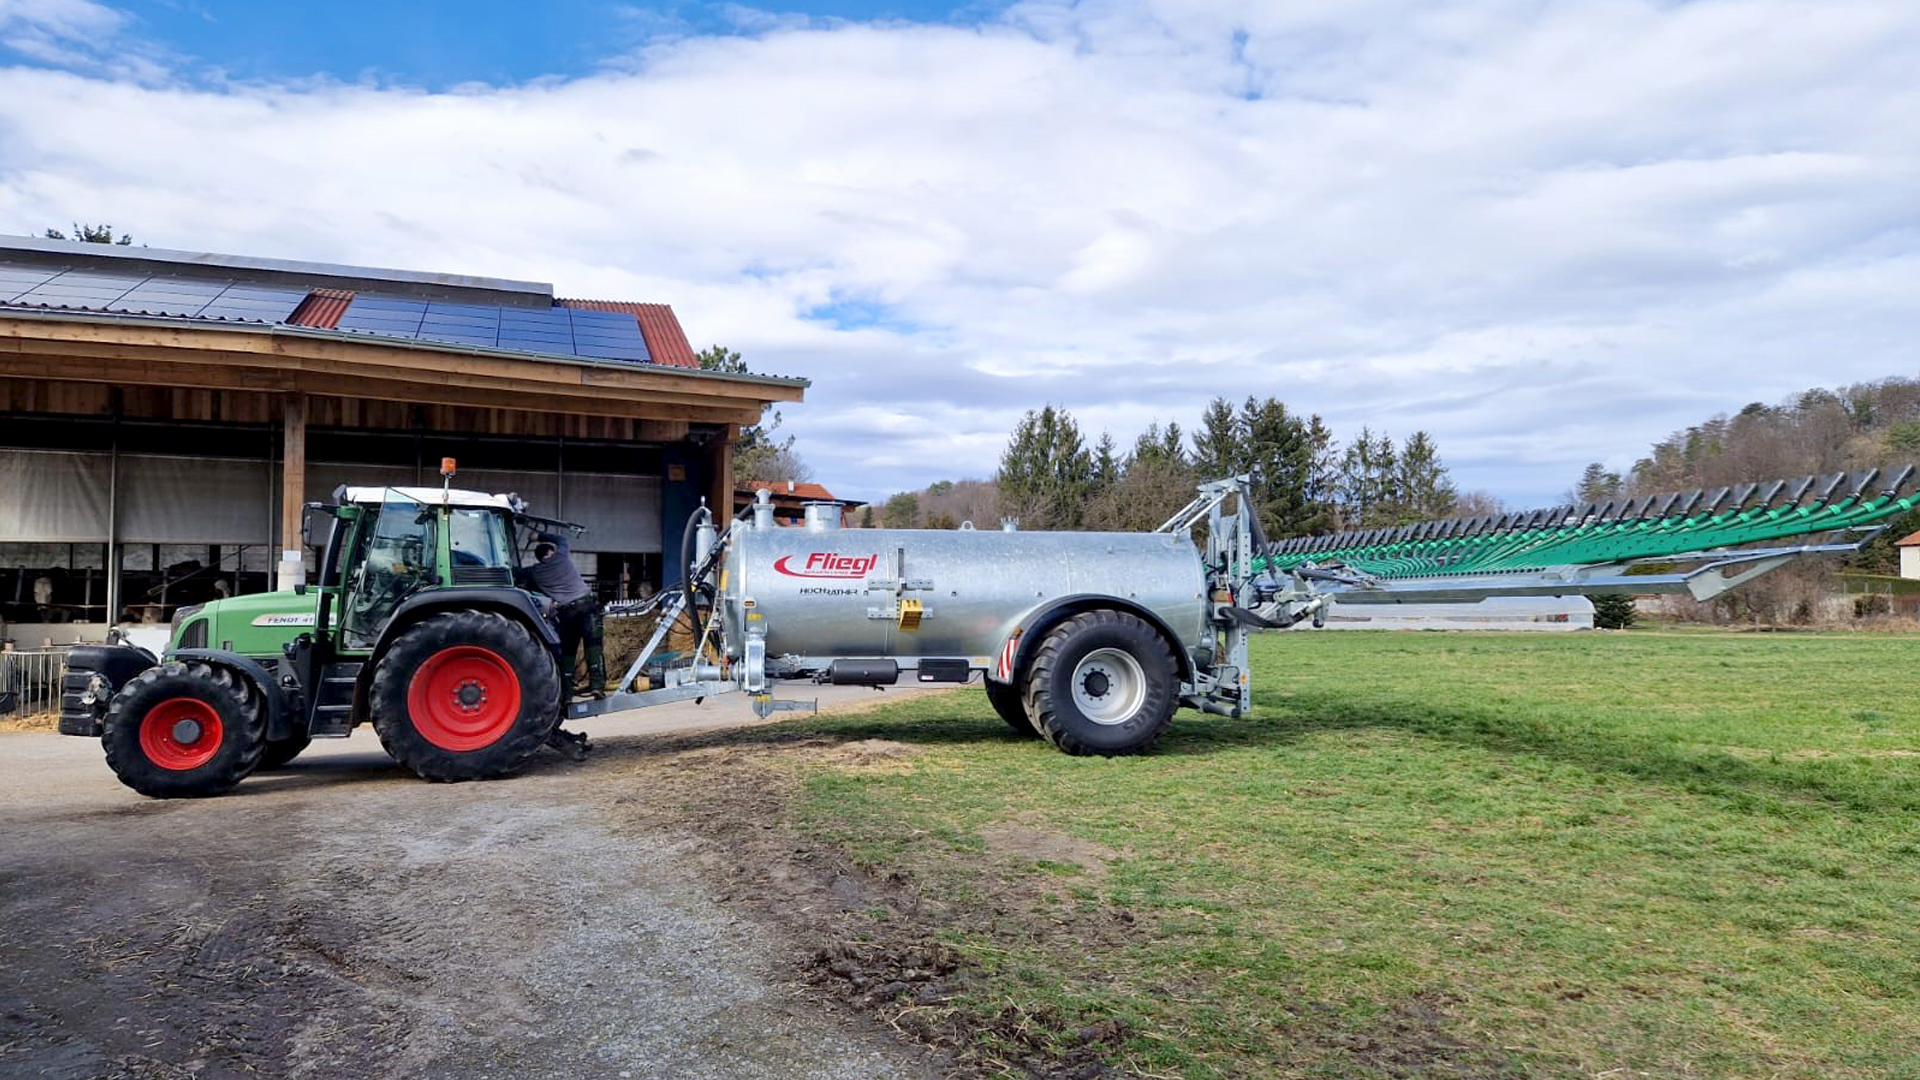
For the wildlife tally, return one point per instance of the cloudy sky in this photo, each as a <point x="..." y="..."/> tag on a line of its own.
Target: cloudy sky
<point x="1547" y="232"/>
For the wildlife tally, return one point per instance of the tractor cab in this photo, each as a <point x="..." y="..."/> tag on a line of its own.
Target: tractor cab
<point x="387" y="544"/>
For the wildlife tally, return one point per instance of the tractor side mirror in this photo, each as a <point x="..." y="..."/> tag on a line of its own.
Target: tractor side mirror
<point x="308" y="512"/>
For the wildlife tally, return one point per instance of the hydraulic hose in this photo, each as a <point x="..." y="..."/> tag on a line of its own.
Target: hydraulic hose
<point x="689" y="573"/>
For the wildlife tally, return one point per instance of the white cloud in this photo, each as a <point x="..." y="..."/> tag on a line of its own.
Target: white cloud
<point x="1548" y="232"/>
<point x="79" y="35"/>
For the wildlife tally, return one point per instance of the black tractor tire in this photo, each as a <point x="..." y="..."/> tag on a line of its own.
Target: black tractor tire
<point x="184" y="730"/>
<point x="1127" y="678"/>
<point x="465" y="695"/>
<point x="281" y="751"/>
<point x="1005" y="699"/>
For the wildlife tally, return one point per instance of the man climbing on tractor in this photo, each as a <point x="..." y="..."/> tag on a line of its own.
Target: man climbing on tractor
<point x="577" y="613"/>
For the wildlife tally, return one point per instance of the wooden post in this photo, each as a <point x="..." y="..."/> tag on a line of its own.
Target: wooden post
<point x="720" y="499"/>
<point x="293" y="490"/>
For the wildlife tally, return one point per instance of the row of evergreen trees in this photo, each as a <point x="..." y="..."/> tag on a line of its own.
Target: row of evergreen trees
<point x="1304" y="481"/>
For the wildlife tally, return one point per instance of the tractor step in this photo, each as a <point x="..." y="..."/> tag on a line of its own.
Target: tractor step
<point x="333" y="704"/>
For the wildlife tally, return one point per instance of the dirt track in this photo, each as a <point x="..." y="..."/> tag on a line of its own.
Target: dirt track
<point x="342" y="919"/>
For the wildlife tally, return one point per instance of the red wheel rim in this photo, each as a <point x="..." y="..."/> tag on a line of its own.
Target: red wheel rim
<point x="463" y="698"/>
<point x="181" y="734"/>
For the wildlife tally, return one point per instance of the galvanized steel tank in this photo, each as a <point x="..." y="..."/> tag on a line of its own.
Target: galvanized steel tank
<point x="824" y="592"/>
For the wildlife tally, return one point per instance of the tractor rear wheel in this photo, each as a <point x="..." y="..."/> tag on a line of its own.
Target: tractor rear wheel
<point x="465" y="695"/>
<point x="1103" y="682"/>
<point x="181" y="730"/>
<point x="1006" y="701"/>
<point x="281" y="751"/>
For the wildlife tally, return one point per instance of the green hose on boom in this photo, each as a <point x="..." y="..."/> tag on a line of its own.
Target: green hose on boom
<point x="1621" y="530"/>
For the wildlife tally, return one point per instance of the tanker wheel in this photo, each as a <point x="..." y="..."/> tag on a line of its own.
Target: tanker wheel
<point x="281" y="751"/>
<point x="1005" y="699"/>
<point x="465" y="695"/>
<point x="181" y="730"/>
<point x="1103" y="682"/>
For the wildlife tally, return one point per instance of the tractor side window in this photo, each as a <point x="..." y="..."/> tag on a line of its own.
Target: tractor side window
<point x="478" y="538"/>
<point x="398" y="560"/>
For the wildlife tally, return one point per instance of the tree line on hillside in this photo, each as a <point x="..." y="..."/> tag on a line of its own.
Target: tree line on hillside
<point x="1051" y="477"/>
<point x="1816" y="431"/>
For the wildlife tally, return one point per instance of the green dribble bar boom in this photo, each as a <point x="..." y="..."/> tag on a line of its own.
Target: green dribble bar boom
<point x="1697" y="525"/>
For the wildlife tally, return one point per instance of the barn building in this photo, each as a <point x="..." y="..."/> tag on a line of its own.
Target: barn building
<point x="165" y="414"/>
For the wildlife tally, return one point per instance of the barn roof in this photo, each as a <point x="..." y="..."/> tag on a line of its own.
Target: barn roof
<point x="492" y="314"/>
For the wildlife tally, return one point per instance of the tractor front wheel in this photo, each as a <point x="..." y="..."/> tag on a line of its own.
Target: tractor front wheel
<point x="181" y="730"/>
<point x="465" y="695"/>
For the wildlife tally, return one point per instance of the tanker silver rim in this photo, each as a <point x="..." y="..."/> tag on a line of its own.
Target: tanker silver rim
<point x="1109" y="686"/>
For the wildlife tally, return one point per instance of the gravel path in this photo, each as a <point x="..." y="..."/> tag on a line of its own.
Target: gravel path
<point x="343" y="919"/>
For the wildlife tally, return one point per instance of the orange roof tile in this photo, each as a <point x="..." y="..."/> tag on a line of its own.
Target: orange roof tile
<point x="322" y="308"/>
<point x="789" y="489"/>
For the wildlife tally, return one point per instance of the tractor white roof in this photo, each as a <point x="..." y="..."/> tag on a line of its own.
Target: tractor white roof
<point x="429" y="496"/>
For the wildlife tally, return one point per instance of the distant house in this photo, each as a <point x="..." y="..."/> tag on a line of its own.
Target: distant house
<point x="1909" y="555"/>
<point x="789" y="497"/>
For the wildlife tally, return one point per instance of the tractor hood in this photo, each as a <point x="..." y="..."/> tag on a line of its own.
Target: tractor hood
<point x="254" y="625"/>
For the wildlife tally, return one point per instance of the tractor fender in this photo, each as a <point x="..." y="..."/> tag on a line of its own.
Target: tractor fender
<point x="1034" y="626"/>
<point x="114" y="664"/>
<point x="515" y="604"/>
<point x="279" y="723"/>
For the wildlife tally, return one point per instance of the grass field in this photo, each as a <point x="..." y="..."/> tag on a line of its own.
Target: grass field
<point x="1639" y="854"/>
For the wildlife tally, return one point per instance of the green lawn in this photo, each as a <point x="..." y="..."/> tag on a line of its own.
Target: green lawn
<point x="1442" y="855"/>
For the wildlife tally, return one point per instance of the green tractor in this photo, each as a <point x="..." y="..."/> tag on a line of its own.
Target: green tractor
<point x="416" y="624"/>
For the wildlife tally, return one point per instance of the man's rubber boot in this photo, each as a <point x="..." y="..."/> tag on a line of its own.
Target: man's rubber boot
<point x="596" y="669"/>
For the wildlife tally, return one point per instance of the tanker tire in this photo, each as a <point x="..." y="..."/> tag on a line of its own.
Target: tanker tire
<point x="141" y="736"/>
<point x="504" y="658"/>
<point x="281" y="751"/>
<point x="1123" y="664"/>
<point x="1006" y="701"/>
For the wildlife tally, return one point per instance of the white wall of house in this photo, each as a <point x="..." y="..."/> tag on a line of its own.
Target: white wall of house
<point x="1910" y="561"/>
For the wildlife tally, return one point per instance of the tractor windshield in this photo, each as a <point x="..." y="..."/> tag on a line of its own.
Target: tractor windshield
<point x="397" y="559"/>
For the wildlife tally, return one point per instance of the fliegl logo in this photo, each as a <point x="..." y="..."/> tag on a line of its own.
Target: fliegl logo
<point x="826" y="564"/>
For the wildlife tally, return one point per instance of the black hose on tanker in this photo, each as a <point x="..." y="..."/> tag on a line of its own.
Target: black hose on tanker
<point x="689" y="573"/>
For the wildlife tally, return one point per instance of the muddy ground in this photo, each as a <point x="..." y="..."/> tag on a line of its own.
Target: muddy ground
<point x="638" y="915"/>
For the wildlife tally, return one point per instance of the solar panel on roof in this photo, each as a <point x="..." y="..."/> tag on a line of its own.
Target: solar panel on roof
<point x="155" y="307"/>
<point x="375" y="303"/>
<point x="489" y="312"/>
<point x="599" y="335"/>
<point x="15" y="280"/>
<point x="466" y="321"/>
<point x="609" y="352"/>
<point x="83" y="277"/>
<point x="254" y="303"/>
